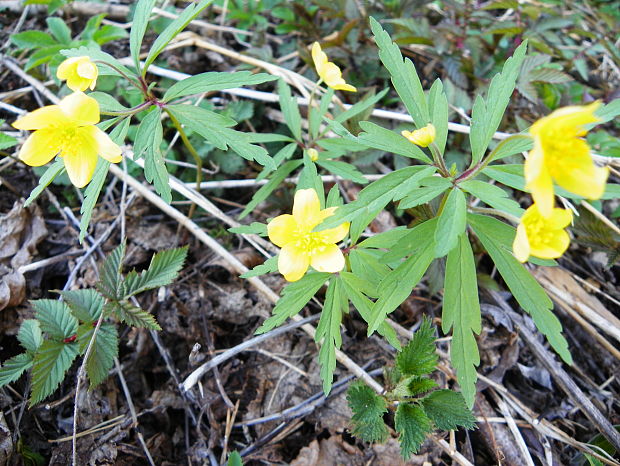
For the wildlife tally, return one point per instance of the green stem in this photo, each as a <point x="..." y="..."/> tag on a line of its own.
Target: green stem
<point x="438" y="159"/>
<point x="498" y="213"/>
<point x="131" y="111"/>
<point x="132" y="81"/>
<point x="189" y="146"/>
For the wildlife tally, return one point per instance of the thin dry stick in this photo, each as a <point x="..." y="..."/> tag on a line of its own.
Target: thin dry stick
<point x="38" y="85"/>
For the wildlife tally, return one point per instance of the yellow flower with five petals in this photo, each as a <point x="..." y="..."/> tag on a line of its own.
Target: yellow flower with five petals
<point x="542" y="236"/>
<point x="302" y="247"/>
<point x="79" y="72"/>
<point x="422" y="137"/>
<point x="560" y="155"/>
<point x="329" y="72"/>
<point x="68" y="130"/>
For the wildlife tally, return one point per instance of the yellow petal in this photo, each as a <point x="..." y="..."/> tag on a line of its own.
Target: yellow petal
<point x="293" y="262"/>
<point x="40" y="147"/>
<point x="105" y="147"/>
<point x="67" y="67"/>
<point x="567" y="119"/>
<point x="282" y="230"/>
<point x="538" y="180"/>
<point x="306" y="209"/>
<point x="77" y="83"/>
<point x="80" y="163"/>
<point x="560" y="218"/>
<point x="334" y="235"/>
<point x="87" y="69"/>
<point x="579" y="175"/>
<point x="553" y="248"/>
<point x="83" y="110"/>
<point x="521" y="245"/>
<point x="329" y="259"/>
<point x="319" y="58"/>
<point x="41" y="118"/>
<point x="345" y="87"/>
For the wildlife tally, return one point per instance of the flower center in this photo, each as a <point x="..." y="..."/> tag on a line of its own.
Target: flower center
<point x="311" y="242"/>
<point x="539" y="233"/>
<point x="68" y="139"/>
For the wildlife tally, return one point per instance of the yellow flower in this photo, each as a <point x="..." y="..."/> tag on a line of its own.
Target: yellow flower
<point x="68" y="130"/>
<point x="79" y="72"/>
<point x="313" y="154"/>
<point x="560" y="155"/>
<point x="422" y="137"/>
<point x="541" y="236"/>
<point x="301" y="247"/>
<point x="328" y="71"/>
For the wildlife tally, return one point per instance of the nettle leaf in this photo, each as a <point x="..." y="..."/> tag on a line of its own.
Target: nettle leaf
<point x="526" y="290"/>
<point x="46" y="179"/>
<point x="234" y="459"/>
<point x="293" y="298"/>
<point x="419" y="356"/>
<point x="329" y="330"/>
<point x="452" y="222"/>
<point x="414" y="385"/>
<point x="163" y="269"/>
<point x="378" y="194"/>
<point x="269" y="266"/>
<point x="13" y="368"/>
<point x="412" y="425"/>
<point x="381" y="138"/>
<point x="368" y="410"/>
<point x="85" y="304"/>
<point x="397" y="286"/>
<point x="134" y="316"/>
<point x="148" y="140"/>
<point x="487" y="114"/>
<point x="103" y="352"/>
<point x="214" y="81"/>
<point x="448" y="411"/>
<point x="51" y="362"/>
<point x="404" y="76"/>
<point x="492" y="195"/>
<point x="110" y="278"/>
<point x="276" y="179"/>
<point x="461" y="312"/>
<point x="189" y="13"/>
<point x="30" y="335"/>
<point x="290" y="109"/>
<point x="55" y="318"/>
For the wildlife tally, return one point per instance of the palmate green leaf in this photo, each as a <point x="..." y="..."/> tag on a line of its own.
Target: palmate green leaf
<point x="283" y="154"/>
<point x="381" y="138"/>
<point x="142" y="12"/>
<point x="32" y="39"/>
<point x="110" y="278"/>
<point x="214" y="81"/>
<point x="269" y="266"/>
<point x="487" y="114"/>
<point x="103" y="352"/>
<point x="343" y="170"/>
<point x="461" y="313"/>
<point x="367" y="265"/>
<point x="50" y="364"/>
<point x="412" y="425"/>
<point x="107" y="103"/>
<point x="290" y="109"/>
<point x="385" y="239"/>
<point x="368" y="409"/>
<point x="328" y="330"/>
<point x="85" y="304"/>
<point x="190" y="12"/>
<point x="29" y="335"/>
<point x="492" y="195"/>
<point x="438" y="105"/>
<point x="55" y="318"/>
<point x="419" y="356"/>
<point x="376" y="195"/>
<point x="404" y="76"/>
<point x="293" y="298"/>
<point x="46" y="179"/>
<point x="133" y="315"/>
<point x="451" y="223"/>
<point x="350" y="286"/>
<point x="397" y="286"/>
<point x="148" y="140"/>
<point x="429" y="189"/>
<point x="163" y="269"/>
<point x="276" y="179"/>
<point x="448" y="411"/>
<point x="13" y="368"/>
<point x="92" y="191"/>
<point x="526" y="290"/>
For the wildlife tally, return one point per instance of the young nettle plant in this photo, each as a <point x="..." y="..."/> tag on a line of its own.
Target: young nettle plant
<point x="83" y="319"/>
<point x="378" y="273"/>
<point x="412" y="395"/>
